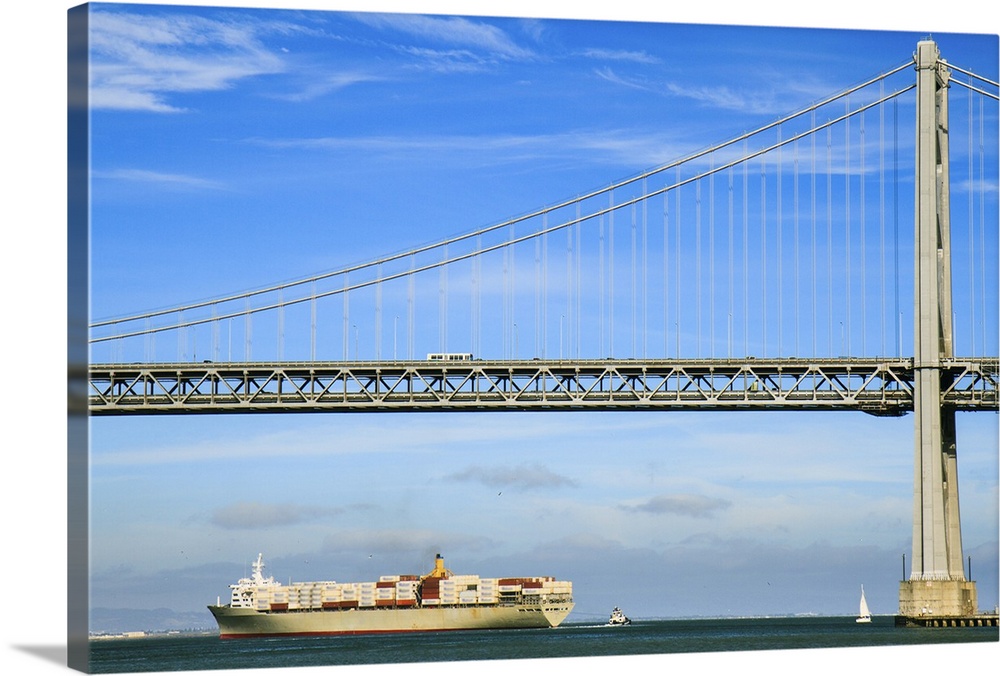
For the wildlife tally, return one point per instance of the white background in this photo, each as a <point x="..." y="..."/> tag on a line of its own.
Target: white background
<point x="32" y="330"/>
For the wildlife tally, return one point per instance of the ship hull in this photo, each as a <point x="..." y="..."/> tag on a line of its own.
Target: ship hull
<point x="249" y="623"/>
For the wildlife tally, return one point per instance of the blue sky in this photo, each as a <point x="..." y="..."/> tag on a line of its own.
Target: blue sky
<point x="293" y="130"/>
<point x="233" y="149"/>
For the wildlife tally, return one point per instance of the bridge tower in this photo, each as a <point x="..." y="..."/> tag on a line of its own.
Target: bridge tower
<point x="937" y="586"/>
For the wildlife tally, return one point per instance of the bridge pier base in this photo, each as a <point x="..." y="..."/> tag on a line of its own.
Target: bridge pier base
<point x="937" y="598"/>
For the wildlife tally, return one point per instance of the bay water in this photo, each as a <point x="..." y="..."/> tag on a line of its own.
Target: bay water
<point x="642" y="637"/>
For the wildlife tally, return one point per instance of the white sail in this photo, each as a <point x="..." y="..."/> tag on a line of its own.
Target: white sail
<point x="864" y="615"/>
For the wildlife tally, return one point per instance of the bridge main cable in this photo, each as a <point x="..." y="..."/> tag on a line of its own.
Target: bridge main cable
<point x="478" y="252"/>
<point x="459" y="238"/>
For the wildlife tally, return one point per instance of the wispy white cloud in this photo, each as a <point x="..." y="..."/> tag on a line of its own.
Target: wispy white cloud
<point x="447" y="60"/>
<point x="157" y="177"/>
<point x="633" y="147"/>
<point x="610" y="75"/>
<point x="326" y="85"/>
<point x="449" y="44"/>
<point x="761" y="98"/>
<point x="620" y="55"/>
<point x="725" y="98"/>
<point x="977" y="186"/>
<point x="138" y="61"/>
<point x="462" y="32"/>
<point x="754" y="100"/>
<point x="535" y="29"/>
<point x="761" y="92"/>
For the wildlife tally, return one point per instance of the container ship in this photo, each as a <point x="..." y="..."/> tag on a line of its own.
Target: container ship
<point x="437" y="601"/>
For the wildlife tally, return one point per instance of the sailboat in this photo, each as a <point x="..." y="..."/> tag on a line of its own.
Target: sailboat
<point x="864" y="615"/>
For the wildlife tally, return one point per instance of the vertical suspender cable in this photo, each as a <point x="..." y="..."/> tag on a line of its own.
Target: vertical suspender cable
<point x="881" y="201"/>
<point x="345" y="317"/>
<point x="410" y="310"/>
<point x="443" y="303"/>
<point x="677" y="267"/>
<point x="600" y="286"/>
<point x="829" y="236"/>
<point x="812" y="201"/>
<point x="898" y="316"/>
<point x="697" y="258"/>
<point x="513" y="292"/>
<point x="246" y="330"/>
<point x="864" y="284"/>
<point x="281" y="324"/>
<point x="972" y="253"/>
<point x="763" y="255"/>
<point x="666" y="269"/>
<point x="746" y="253"/>
<point x="711" y="258"/>
<point x="579" y="285"/>
<point x="645" y="269"/>
<point x="846" y="345"/>
<point x="477" y="272"/>
<point x="545" y="278"/>
<point x="795" y="226"/>
<point x="633" y="278"/>
<point x="982" y="233"/>
<point x="729" y="323"/>
<point x="538" y="291"/>
<point x="611" y="274"/>
<point x="780" y="236"/>
<point x="569" y="285"/>
<point x="504" y="313"/>
<point x="378" y="313"/>
<point x="248" y="333"/>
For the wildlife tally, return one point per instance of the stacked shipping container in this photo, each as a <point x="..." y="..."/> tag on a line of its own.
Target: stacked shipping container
<point x="405" y="591"/>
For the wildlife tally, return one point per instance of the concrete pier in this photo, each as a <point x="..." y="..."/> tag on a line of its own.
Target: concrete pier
<point x="981" y="620"/>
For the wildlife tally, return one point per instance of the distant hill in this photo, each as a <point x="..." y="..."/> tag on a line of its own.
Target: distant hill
<point x="118" y="620"/>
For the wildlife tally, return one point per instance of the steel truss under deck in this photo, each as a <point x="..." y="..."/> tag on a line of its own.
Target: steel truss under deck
<point x="875" y="386"/>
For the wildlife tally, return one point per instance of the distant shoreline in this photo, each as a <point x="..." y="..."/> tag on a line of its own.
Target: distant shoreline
<point x="151" y="634"/>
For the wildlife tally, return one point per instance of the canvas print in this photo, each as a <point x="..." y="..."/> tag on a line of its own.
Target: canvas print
<point x="403" y="338"/>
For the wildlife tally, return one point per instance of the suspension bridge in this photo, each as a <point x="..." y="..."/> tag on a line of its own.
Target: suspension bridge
<point x="815" y="263"/>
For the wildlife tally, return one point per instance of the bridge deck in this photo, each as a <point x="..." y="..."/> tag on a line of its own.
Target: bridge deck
<point x="876" y="386"/>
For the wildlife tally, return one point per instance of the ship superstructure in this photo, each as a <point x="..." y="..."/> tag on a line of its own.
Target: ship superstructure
<point x="437" y="601"/>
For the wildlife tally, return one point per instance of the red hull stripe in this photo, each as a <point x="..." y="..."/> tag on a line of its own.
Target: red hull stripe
<point x="337" y="633"/>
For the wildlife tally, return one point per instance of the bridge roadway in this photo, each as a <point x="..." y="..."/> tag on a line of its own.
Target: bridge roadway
<point x="873" y="385"/>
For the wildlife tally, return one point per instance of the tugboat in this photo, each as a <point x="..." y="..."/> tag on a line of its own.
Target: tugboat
<point x="618" y="618"/>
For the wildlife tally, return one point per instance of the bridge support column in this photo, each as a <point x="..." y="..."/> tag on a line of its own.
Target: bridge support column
<point x="937" y="584"/>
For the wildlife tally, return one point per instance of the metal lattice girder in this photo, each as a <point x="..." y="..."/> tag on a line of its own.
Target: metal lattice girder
<point x="877" y="386"/>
